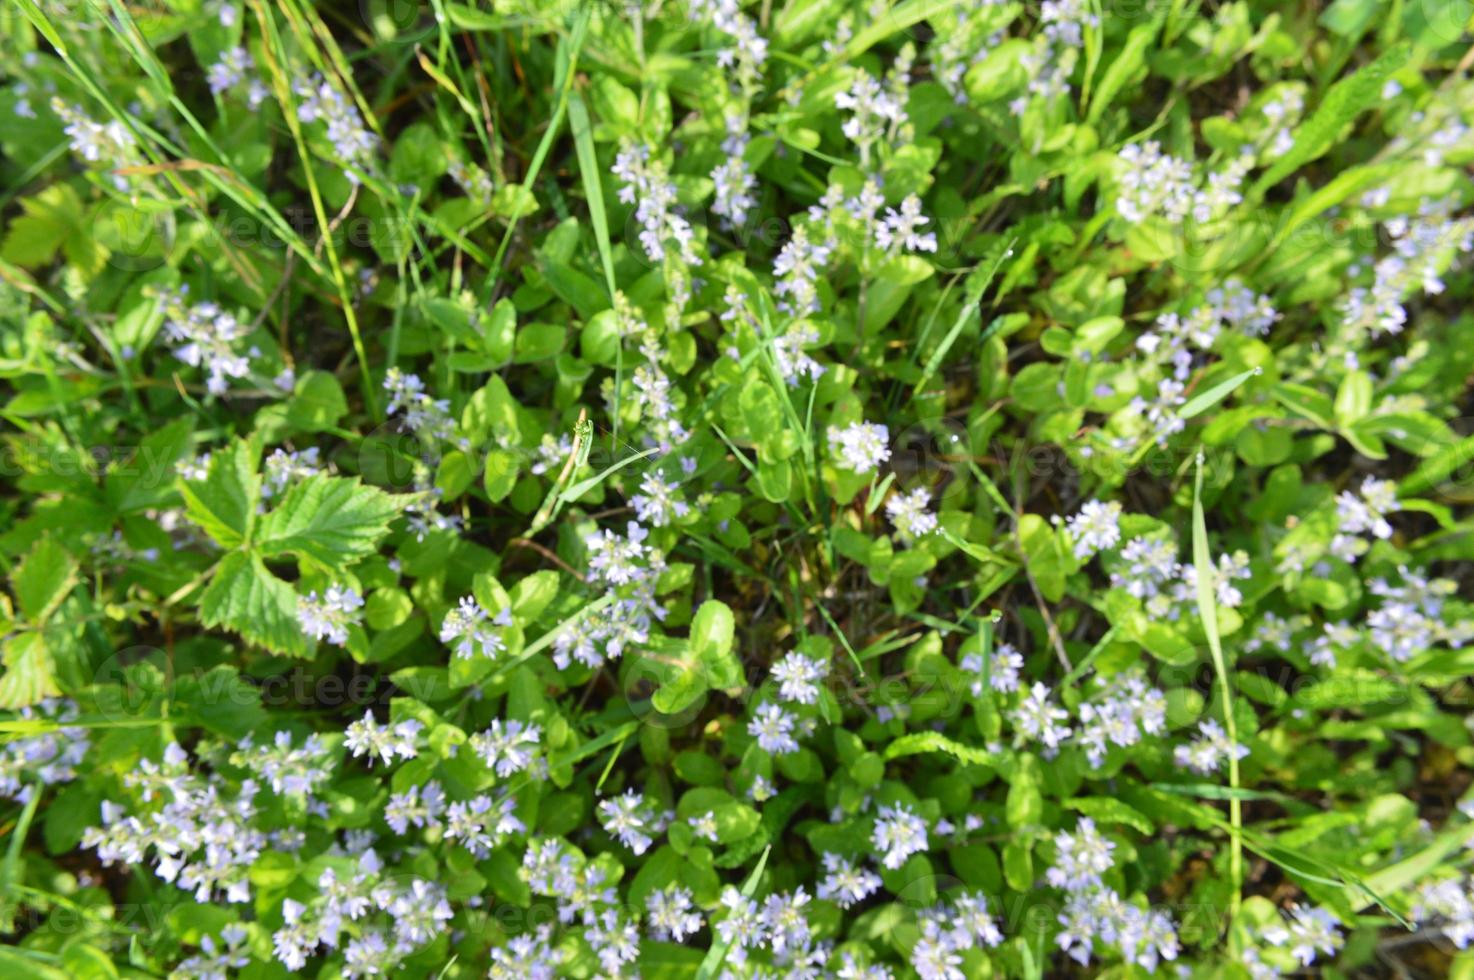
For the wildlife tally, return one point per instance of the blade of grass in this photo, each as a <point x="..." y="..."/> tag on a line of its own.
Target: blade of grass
<point x="971" y="297"/>
<point x="593" y="192"/>
<point x="8" y="875"/>
<point x="274" y="56"/>
<point x="222" y="178"/>
<point x="567" y="66"/>
<point x="1208" y="613"/>
<point x="844" y="641"/>
<point x="593" y="188"/>
<point x="1201" y="402"/>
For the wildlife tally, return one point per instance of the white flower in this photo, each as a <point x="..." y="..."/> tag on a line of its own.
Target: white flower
<point x="845" y="883"/>
<point x="507" y="748"/>
<point x="705" y="825"/>
<point x="907" y="511"/>
<point x="629" y="819"/>
<point x="367" y="737"/>
<point x="901" y="230"/>
<point x="860" y="446"/>
<point x="797" y="269"/>
<point x="1448" y="906"/>
<point x="1003" y="669"/>
<point x="1146" y="938"/>
<point x="207" y="337"/>
<point x="288" y="769"/>
<point x="798" y="677"/>
<point x="296" y="940"/>
<point x="898" y="833"/>
<point x="480" y="823"/>
<point x="322" y="102"/>
<point x="465" y="628"/>
<point x="773" y="729"/>
<point x="427" y="417"/>
<point x="1309" y="931"/>
<point x="282" y="469"/>
<point x="1081" y="858"/>
<point x="788" y="354"/>
<point x="1036" y="718"/>
<point x="872" y="111"/>
<point x="671" y="915"/>
<point x="785" y="922"/>
<point x="420" y="806"/>
<point x="734" y="186"/>
<point x="1095" y="528"/>
<point x="1364" y="512"/>
<point x="656" y="503"/>
<point x="110" y="142"/>
<point x="1208" y="753"/>
<point x="646" y="183"/>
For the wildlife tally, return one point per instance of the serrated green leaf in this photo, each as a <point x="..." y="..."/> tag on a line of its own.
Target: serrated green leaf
<point x="330" y="520"/>
<point x="224" y="502"/>
<point x="43" y="579"/>
<point x="245" y="597"/>
<point x="29" y="672"/>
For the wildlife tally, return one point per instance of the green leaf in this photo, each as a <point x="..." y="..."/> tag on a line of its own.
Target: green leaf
<point x="1208" y="614"/>
<point x="1127" y="64"/>
<point x="1201" y="402"/>
<point x="531" y="595"/>
<point x="1024" y="805"/>
<point x="712" y="629"/>
<point x="224" y="502"/>
<point x="500" y="477"/>
<point x="330" y="520"/>
<point x="1405" y="873"/>
<point x="916" y="743"/>
<point x="1353" y="398"/>
<point x="711" y="646"/>
<point x="84" y="962"/>
<point x="593" y="188"/>
<point x="246" y="598"/>
<point x="1346" y="100"/>
<point x="48" y="220"/>
<point x="318" y="402"/>
<point x="1438" y="468"/>
<point x="1105" y="809"/>
<point x="29" y="672"/>
<point x="43" y="579"/>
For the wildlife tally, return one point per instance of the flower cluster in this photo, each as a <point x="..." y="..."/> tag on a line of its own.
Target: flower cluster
<point x="208" y="337"/>
<point x="366" y="737"/>
<point x="630" y="571"/>
<point x="1155" y="183"/>
<point x="48" y="758"/>
<point x="631" y="820"/>
<point x="329" y="617"/>
<point x="1095" y="915"/>
<point x="232" y="70"/>
<point x="1211" y="750"/>
<point x="200" y="838"/>
<point x="111" y="143"/>
<point x="426" y="416"/>
<point x="352" y="140"/>
<point x="471" y="631"/>
<point x="860" y="446"/>
<point x="370" y="922"/>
